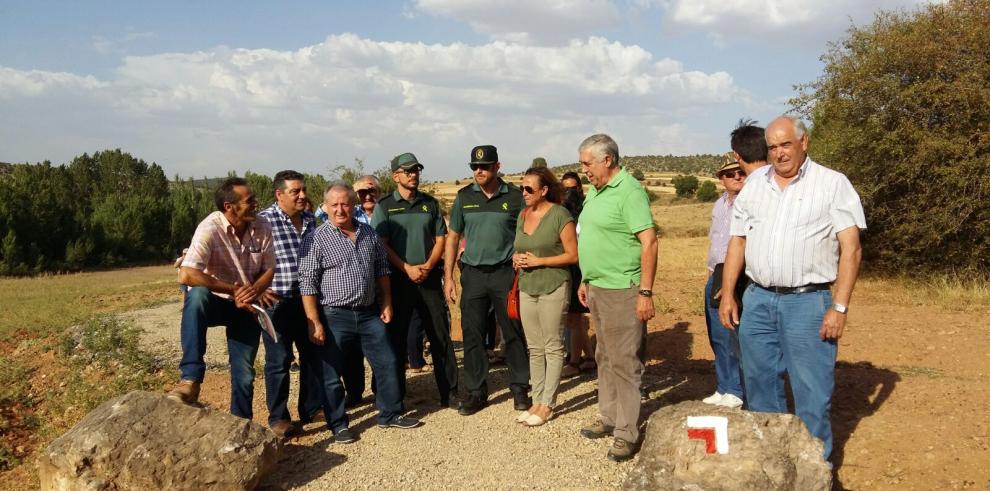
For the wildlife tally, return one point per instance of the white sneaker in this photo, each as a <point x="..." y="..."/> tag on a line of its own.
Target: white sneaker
<point x="730" y="401"/>
<point x="713" y="399"/>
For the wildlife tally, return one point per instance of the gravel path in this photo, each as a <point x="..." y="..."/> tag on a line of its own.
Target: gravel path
<point x="486" y="451"/>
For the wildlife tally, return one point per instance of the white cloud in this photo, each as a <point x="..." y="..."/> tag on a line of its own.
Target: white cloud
<point x="529" y="22"/>
<point x="205" y="112"/>
<point x="796" y="21"/>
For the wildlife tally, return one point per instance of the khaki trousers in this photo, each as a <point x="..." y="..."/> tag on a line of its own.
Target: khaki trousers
<point x="543" y="323"/>
<point x="620" y="370"/>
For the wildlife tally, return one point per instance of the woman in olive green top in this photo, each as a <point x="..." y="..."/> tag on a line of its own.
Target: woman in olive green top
<point x="545" y="246"/>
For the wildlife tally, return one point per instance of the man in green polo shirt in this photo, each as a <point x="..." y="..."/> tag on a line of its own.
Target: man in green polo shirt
<point x="485" y="214"/>
<point x="617" y="251"/>
<point x="411" y="226"/>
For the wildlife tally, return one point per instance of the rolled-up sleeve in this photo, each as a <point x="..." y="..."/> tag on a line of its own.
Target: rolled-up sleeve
<point x="847" y="209"/>
<point x="309" y="264"/>
<point x="198" y="254"/>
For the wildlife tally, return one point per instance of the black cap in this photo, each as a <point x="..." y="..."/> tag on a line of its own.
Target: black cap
<point x="484" y="154"/>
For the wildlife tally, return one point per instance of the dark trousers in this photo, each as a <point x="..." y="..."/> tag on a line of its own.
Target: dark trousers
<point x="201" y="310"/>
<point x="290" y="325"/>
<point x="427" y="301"/>
<point x="352" y="373"/>
<point x="483" y="288"/>
<point x="414" y="349"/>
<point x="347" y="329"/>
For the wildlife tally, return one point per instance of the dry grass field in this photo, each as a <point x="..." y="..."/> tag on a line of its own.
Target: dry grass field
<point x="912" y="382"/>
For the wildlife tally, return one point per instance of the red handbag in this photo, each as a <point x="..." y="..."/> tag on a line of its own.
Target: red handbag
<point x="512" y="303"/>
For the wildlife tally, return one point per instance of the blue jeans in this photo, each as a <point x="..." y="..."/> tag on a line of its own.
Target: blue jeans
<point x="203" y="309"/>
<point x="725" y="345"/>
<point x="290" y="324"/>
<point x="346" y="331"/>
<point x="779" y="333"/>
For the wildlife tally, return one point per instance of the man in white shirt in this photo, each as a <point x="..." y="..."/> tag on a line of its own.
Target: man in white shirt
<point x="798" y="226"/>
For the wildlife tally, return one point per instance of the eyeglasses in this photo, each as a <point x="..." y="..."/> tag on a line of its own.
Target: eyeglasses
<point x="528" y="190"/>
<point x="410" y="172"/>
<point x="484" y="167"/>
<point x="732" y="174"/>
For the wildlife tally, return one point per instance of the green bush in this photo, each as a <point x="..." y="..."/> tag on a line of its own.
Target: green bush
<point x="685" y="186"/>
<point x="707" y="192"/>
<point x="902" y="110"/>
<point x="638" y="174"/>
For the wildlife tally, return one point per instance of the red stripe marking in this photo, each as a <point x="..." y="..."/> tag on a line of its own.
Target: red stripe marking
<point x="706" y="434"/>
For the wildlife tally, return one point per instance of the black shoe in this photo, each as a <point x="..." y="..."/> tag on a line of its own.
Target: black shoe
<point x="450" y="401"/>
<point x="344" y="436"/>
<point x="472" y="405"/>
<point x="521" y="401"/>
<point x="401" y="422"/>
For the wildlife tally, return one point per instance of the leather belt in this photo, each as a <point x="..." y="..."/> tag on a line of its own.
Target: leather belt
<point x="789" y="290"/>
<point x="489" y="268"/>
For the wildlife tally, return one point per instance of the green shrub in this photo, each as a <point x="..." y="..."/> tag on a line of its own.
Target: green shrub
<point x="707" y="192"/>
<point x="685" y="186"/>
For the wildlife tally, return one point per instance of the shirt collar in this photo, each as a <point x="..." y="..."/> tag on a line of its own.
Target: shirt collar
<point x="802" y="171"/>
<point x="614" y="181"/>
<point x="502" y="187"/>
<point x="307" y="216"/>
<point x="398" y="197"/>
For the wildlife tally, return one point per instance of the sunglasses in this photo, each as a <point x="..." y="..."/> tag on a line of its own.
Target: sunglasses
<point x="484" y="167"/>
<point x="365" y="192"/>
<point x="732" y="174"/>
<point x="529" y="190"/>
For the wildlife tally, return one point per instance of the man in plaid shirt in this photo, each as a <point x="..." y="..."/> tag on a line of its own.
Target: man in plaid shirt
<point x="228" y="267"/>
<point x="290" y="224"/>
<point x="341" y="266"/>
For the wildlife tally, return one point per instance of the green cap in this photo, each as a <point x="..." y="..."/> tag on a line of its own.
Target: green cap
<point x="539" y="162"/>
<point x="406" y="161"/>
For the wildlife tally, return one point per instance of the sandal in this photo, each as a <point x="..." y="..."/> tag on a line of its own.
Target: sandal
<point x="536" y="420"/>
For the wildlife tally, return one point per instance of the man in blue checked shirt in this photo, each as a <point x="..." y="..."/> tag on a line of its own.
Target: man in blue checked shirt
<point x="290" y="224"/>
<point x="341" y="265"/>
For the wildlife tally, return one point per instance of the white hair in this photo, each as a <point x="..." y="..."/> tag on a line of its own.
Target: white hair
<point x="600" y="146"/>
<point x="799" y="127"/>
<point x="342" y="186"/>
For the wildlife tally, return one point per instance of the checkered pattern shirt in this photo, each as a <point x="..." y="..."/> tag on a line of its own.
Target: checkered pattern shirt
<point x="339" y="271"/>
<point x="208" y="253"/>
<point x="287" y="240"/>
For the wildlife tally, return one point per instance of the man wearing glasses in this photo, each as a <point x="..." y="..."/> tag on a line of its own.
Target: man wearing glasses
<point x="411" y="226"/>
<point x="485" y="214"/>
<point x="728" y="372"/>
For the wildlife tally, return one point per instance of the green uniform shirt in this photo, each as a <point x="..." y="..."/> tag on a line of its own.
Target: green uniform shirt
<point x="608" y="250"/>
<point x="411" y="227"/>
<point x="489" y="225"/>
<point x="544" y="242"/>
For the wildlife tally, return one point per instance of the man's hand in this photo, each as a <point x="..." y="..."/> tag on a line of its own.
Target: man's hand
<point x="583" y="294"/>
<point x="644" y="308"/>
<point x="832" y="325"/>
<point x="450" y="289"/>
<point x="425" y="271"/>
<point x="268" y="299"/>
<point x="244" y="296"/>
<point x="728" y="312"/>
<point x="414" y="273"/>
<point x="316" y="332"/>
<point x="386" y="315"/>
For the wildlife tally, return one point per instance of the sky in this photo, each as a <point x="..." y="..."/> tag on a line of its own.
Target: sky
<point x="203" y="88"/>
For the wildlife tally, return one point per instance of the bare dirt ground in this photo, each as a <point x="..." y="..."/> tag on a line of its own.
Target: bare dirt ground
<point x="909" y="410"/>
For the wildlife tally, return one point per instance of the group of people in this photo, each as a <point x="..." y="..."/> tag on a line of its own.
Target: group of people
<point x="350" y="288"/>
<point x="793" y="227"/>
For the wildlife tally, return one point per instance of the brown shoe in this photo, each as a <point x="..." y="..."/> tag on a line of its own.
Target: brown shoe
<point x="283" y="429"/>
<point x="569" y="371"/>
<point x="597" y="430"/>
<point x="186" y="392"/>
<point x="621" y="450"/>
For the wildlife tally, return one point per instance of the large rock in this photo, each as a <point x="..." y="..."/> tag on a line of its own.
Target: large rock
<point x="766" y="451"/>
<point x="145" y="441"/>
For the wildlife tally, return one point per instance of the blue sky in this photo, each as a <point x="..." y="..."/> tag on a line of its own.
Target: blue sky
<point x="206" y="87"/>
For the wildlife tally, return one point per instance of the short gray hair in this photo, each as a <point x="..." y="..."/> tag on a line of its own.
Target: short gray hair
<point x="341" y="186"/>
<point x="373" y="179"/>
<point x="601" y="145"/>
<point x="799" y="127"/>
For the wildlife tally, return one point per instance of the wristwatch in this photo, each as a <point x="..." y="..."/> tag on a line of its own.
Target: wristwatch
<point x="645" y="293"/>
<point x="838" y="307"/>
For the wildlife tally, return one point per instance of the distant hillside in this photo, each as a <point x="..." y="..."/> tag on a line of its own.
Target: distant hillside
<point x="6" y="168"/>
<point x="702" y="165"/>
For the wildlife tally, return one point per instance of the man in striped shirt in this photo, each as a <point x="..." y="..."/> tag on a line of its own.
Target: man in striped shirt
<point x="290" y="223"/>
<point x="342" y="265"/>
<point x="798" y="226"/>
